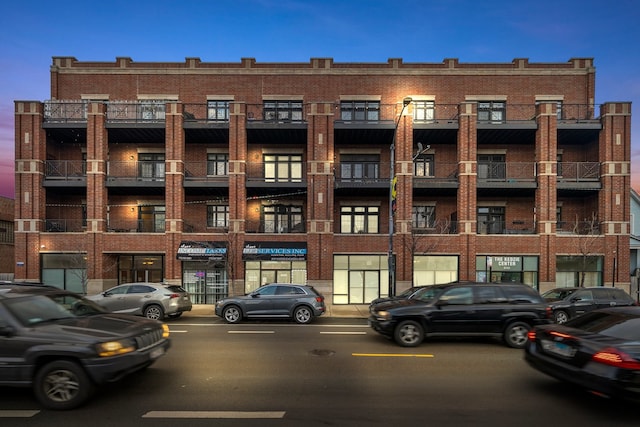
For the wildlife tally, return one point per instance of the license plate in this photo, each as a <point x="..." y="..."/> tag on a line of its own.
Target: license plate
<point x="155" y="353"/>
<point x="559" y="348"/>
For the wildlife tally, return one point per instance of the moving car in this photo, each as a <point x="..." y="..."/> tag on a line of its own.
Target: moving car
<point x="301" y="303"/>
<point x="506" y="310"/>
<point x="598" y="351"/>
<point x="568" y="303"/>
<point x="63" y="345"/>
<point x="151" y="300"/>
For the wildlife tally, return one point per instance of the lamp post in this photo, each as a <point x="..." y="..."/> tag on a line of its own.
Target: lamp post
<point x="392" y="196"/>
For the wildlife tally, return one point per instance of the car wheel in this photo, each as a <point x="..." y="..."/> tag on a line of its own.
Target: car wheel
<point x="154" y="311"/>
<point x="516" y="334"/>
<point x="561" y="316"/>
<point x="232" y="314"/>
<point x="409" y="333"/>
<point x="175" y="315"/>
<point x="303" y="315"/>
<point x="62" y="384"/>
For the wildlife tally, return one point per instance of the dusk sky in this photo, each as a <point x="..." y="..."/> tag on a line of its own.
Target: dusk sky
<point x="33" y="32"/>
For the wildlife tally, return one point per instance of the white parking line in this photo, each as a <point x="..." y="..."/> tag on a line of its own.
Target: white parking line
<point x="342" y="333"/>
<point x="251" y="332"/>
<point x="18" y="413"/>
<point x="215" y="414"/>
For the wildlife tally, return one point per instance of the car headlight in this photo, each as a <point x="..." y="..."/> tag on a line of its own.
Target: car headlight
<point x="165" y="330"/>
<point x="114" y="348"/>
<point x="382" y="315"/>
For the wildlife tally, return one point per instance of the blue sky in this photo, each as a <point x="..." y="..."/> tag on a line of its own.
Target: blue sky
<point x="31" y="33"/>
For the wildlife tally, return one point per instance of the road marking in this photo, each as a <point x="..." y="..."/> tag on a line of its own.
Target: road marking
<point x="18" y="413"/>
<point x="342" y="333"/>
<point x="177" y="332"/>
<point x="390" y="355"/>
<point x="215" y="414"/>
<point x="251" y="332"/>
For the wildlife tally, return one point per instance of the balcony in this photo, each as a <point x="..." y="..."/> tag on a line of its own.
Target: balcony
<point x="143" y="173"/>
<point x="506" y="227"/>
<point x="367" y="175"/>
<point x="511" y="174"/>
<point x="65" y="173"/>
<point x="62" y="225"/>
<point x="579" y="176"/>
<point x="274" y="226"/>
<point x="579" y="227"/>
<point x="439" y="226"/>
<point x="443" y="175"/>
<point x="197" y="174"/>
<point x="135" y="226"/>
<point x="276" y="175"/>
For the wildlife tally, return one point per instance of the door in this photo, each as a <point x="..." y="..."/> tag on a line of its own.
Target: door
<point x="455" y="311"/>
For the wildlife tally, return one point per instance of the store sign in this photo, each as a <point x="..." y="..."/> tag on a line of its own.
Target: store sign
<point x="201" y="251"/>
<point x="506" y="263"/>
<point x="274" y="251"/>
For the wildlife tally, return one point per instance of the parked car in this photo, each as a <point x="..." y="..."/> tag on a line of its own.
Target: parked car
<point x="407" y="293"/>
<point x="598" y="351"/>
<point x="506" y="310"/>
<point x="568" y="303"/>
<point x="151" y="300"/>
<point x="301" y="303"/>
<point x="64" y="346"/>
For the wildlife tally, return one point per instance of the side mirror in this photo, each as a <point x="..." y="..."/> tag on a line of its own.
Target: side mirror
<point x="7" y="331"/>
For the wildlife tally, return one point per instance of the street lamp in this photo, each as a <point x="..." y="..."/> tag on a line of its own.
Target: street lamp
<point x="392" y="198"/>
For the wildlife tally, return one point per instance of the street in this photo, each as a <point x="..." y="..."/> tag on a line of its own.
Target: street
<point x="331" y="372"/>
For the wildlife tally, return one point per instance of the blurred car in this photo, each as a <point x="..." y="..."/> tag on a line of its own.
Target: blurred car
<point x="301" y="303"/>
<point x="406" y="294"/>
<point x="598" y="351"/>
<point x="462" y="309"/>
<point x="568" y="303"/>
<point x="151" y="300"/>
<point x="63" y="345"/>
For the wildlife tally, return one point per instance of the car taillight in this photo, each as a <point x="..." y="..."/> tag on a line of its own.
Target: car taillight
<point x="172" y="296"/>
<point x="614" y="357"/>
<point x="531" y="335"/>
<point x="549" y="312"/>
<point x="319" y="299"/>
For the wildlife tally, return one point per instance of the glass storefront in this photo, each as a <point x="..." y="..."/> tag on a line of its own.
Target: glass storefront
<point x="204" y="270"/>
<point x="359" y="279"/>
<point x="579" y="270"/>
<point x="269" y="262"/>
<point x="65" y="271"/>
<point x="507" y="268"/>
<point x="434" y="269"/>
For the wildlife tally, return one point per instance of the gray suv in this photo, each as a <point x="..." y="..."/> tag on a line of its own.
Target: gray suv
<point x="63" y="345"/>
<point x="302" y="303"/>
<point x="568" y="303"/>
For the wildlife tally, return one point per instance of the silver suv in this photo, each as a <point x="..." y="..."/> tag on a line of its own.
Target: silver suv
<point x="302" y="303"/>
<point x="151" y="300"/>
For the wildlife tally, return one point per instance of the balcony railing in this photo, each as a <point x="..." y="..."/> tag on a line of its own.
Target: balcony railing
<point x="64" y="225"/>
<point x="65" y="169"/>
<point x="506" y="227"/>
<point x="143" y="170"/>
<point x="277" y="173"/>
<point x="65" y="111"/>
<point x="201" y="171"/>
<point x="439" y="226"/>
<point x="277" y="227"/>
<point x="136" y="111"/>
<point x="578" y="171"/>
<point x="135" y="226"/>
<point x="442" y="172"/>
<point x="578" y="227"/>
<point x="507" y="171"/>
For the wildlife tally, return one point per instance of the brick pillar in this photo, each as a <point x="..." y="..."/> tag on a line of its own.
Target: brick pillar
<point x="467" y="189"/>
<point x="174" y="188"/>
<point x="402" y="244"/>
<point x="546" y="147"/>
<point x="237" y="196"/>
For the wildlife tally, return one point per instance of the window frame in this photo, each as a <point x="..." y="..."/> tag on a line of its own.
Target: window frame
<point x="354" y="217"/>
<point x="360" y="111"/>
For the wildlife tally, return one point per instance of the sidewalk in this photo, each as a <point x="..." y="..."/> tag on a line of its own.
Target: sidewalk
<point x="353" y="311"/>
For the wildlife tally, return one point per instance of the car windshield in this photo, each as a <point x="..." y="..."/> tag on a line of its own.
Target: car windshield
<point x="34" y="309"/>
<point x="557" y="294"/>
<point x="618" y="325"/>
<point x="427" y="294"/>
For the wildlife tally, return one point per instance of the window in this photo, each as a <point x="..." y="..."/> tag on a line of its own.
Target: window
<point x="491" y="111"/>
<point x="282" y="219"/>
<point x="283" y="111"/>
<point x="6" y="231"/>
<point x="218" y="110"/>
<point x="359" y="219"/>
<point x="360" y="110"/>
<point x="559" y="222"/>
<point x="152" y="110"/>
<point x="359" y="167"/>
<point x="492" y="166"/>
<point x="359" y="279"/>
<point x="151" y="166"/>
<point x="151" y="219"/>
<point x="283" y="168"/>
<point x="218" y="216"/>
<point x="217" y="164"/>
<point x="423" y="166"/>
<point x="457" y="296"/>
<point x="424" y="216"/>
<point x="424" y="111"/>
<point x="491" y="220"/>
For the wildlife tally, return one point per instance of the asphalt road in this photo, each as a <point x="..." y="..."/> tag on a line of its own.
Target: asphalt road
<point x="335" y="372"/>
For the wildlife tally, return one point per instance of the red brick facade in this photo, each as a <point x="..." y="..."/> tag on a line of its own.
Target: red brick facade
<point x="563" y="163"/>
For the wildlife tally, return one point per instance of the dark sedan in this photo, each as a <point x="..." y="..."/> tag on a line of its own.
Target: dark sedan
<point x="598" y="351"/>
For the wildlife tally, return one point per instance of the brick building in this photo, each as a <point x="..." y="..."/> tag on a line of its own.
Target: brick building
<point x="225" y="176"/>
<point x="6" y="238"/>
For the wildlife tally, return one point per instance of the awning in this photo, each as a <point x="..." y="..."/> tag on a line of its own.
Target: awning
<point x="202" y="251"/>
<point x="274" y="251"/>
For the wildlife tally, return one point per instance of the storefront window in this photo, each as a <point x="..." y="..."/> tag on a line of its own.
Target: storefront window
<point x="259" y="273"/>
<point x="578" y="271"/>
<point x="359" y="279"/>
<point x="431" y="270"/>
<point x="65" y="271"/>
<point x="507" y="268"/>
<point x="205" y="282"/>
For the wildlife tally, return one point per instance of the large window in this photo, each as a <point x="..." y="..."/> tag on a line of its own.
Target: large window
<point x="424" y="111"/>
<point x="218" y="110"/>
<point x="218" y="216"/>
<point x="434" y="269"/>
<point x="491" y="111"/>
<point x="283" y="167"/>
<point x="423" y="217"/>
<point x="359" y="279"/>
<point x="492" y="166"/>
<point x="360" y="219"/>
<point x="282" y="219"/>
<point x="579" y="270"/>
<point x="65" y="271"/>
<point x="491" y="219"/>
<point x="151" y="219"/>
<point x="359" y="167"/>
<point x="423" y="166"/>
<point x="258" y="273"/>
<point x="360" y="110"/>
<point x="151" y="166"/>
<point x="217" y="164"/>
<point x="283" y="111"/>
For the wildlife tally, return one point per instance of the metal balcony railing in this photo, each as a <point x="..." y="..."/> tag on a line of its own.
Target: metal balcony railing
<point x="142" y="170"/>
<point x="579" y="227"/>
<point x="439" y="226"/>
<point x="136" y="111"/>
<point x="136" y="226"/>
<point x="506" y="227"/>
<point x="578" y="171"/>
<point x="277" y="227"/>
<point x="276" y="172"/>
<point x="507" y="171"/>
<point x="57" y="111"/>
<point x="62" y="225"/>
<point x="65" y="169"/>
<point x="205" y="171"/>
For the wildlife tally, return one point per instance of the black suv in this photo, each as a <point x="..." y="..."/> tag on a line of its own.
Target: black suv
<point x="64" y="345"/>
<point x="568" y="303"/>
<point x="506" y="310"/>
